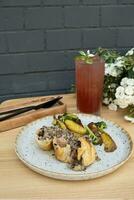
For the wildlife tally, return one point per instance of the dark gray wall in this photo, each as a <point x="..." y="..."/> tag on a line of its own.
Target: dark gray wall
<point x="39" y="38"/>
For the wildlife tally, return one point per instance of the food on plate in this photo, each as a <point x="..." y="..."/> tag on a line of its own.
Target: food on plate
<point x="76" y="151"/>
<point x="44" y="138"/>
<point x="101" y="125"/>
<point x="71" y="122"/>
<point x="93" y="135"/>
<point x="69" y="116"/>
<point x="59" y="123"/>
<point x="45" y="135"/>
<point x="63" y="144"/>
<point x="75" y="127"/>
<point x="85" y="154"/>
<point x="73" y="142"/>
<point x="62" y="150"/>
<point x="109" y="144"/>
<point x="103" y="137"/>
<point x="95" y="130"/>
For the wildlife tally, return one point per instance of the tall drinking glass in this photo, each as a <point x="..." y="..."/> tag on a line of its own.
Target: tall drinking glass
<point x="89" y="85"/>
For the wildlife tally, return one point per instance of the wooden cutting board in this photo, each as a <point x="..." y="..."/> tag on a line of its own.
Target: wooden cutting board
<point x="30" y="116"/>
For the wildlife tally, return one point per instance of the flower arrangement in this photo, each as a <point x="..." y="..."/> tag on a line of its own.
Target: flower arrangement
<point x="119" y="80"/>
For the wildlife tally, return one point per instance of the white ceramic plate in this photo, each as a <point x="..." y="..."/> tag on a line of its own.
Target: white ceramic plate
<point x="45" y="163"/>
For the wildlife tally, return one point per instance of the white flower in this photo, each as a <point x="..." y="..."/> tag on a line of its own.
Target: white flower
<point x="119" y="92"/>
<point x="130" y="81"/>
<point x="114" y="73"/>
<point x="123" y="91"/>
<point x="132" y="100"/>
<point x="119" y="62"/>
<point x="112" y="69"/>
<point x="112" y="106"/>
<point x="131" y="119"/>
<point x="121" y="103"/>
<point x="124" y="81"/>
<point x="130" y="52"/>
<point x="129" y="90"/>
<point x="106" y="101"/>
<point x="129" y="99"/>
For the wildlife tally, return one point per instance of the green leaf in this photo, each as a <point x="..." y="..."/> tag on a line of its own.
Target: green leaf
<point x="130" y="111"/>
<point x="108" y="55"/>
<point x="130" y="74"/>
<point x="82" y="53"/>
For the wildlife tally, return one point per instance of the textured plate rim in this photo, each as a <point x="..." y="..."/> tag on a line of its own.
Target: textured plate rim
<point x="73" y="177"/>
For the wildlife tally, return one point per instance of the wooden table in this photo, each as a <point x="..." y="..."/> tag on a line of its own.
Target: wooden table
<point x="19" y="182"/>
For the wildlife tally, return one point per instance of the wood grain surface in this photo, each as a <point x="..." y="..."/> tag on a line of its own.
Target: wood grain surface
<point x="27" y="117"/>
<point x="19" y="182"/>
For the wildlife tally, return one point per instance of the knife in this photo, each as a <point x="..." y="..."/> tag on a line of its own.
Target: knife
<point x="18" y="111"/>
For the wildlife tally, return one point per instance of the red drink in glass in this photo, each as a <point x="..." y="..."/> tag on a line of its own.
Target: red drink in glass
<point x="89" y="85"/>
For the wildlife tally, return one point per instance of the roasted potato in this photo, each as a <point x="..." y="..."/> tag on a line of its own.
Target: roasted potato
<point x="109" y="144"/>
<point x="74" y="127"/>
